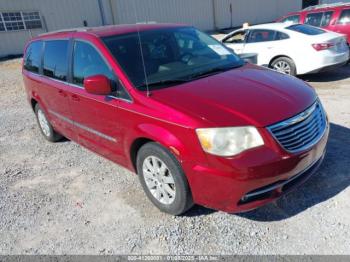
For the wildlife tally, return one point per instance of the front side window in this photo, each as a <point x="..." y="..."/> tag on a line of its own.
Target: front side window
<point x="56" y="59"/>
<point x="154" y="58"/>
<point x="32" y="57"/>
<point x="344" y="17"/>
<point x="236" y="38"/>
<point x="306" y="30"/>
<point x="294" y="19"/>
<point x="88" y="62"/>
<point x="314" y="19"/>
<point x="261" y="35"/>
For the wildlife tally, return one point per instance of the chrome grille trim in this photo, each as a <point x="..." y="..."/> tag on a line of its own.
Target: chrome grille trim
<point x="302" y="131"/>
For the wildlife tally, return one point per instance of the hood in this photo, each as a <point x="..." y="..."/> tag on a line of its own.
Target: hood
<point x="249" y="95"/>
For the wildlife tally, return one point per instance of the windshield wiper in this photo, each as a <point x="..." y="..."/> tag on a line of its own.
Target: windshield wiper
<point x="212" y="71"/>
<point x="163" y="82"/>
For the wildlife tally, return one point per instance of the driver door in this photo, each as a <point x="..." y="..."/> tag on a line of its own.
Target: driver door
<point x="98" y="119"/>
<point x="236" y="41"/>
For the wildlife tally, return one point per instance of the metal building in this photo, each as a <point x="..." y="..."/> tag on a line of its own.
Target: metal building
<point x="22" y="19"/>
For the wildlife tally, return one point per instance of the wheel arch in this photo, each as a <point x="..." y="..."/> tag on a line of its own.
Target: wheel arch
<point x="33" y="103"/>
<point x="135" y="147"/>
<point x="152" y="133"/>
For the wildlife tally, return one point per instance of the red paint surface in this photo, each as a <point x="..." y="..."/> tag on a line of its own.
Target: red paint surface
<point x="333" y="25"/>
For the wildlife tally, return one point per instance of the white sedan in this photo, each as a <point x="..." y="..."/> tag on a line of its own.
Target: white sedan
<point x="292" y="49"/>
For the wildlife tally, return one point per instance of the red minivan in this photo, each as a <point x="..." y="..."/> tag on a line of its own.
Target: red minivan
<point x="194" y="121"/>
<point x="333" y="17"/>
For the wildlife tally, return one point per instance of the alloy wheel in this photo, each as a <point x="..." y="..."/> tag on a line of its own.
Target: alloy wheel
<point x="44" y="124"/>
<point x="159" y="180"/>
<point x="283" y="67"/>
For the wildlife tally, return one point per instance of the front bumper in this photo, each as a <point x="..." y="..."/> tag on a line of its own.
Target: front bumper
<point x="253" y="179"/>
<point x="281" y="187"/>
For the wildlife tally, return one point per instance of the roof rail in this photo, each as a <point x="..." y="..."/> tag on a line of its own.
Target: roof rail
<point x="70" y="30"/>
<point x="314" y="7"/>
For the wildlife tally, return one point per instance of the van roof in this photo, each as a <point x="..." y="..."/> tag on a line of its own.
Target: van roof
<point x="325" y="6"/>
<point x="102" y="31"/>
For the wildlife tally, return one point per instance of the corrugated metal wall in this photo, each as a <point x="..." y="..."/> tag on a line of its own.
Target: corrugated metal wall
<point x="251" y="11"/>
<point x="200" y="13"/>
<point x="192" y="12"/>
<point x="57" y="15"/>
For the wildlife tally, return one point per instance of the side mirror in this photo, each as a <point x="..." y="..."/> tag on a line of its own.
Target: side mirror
<point x="250" y="58"/>
<point x="98" y="85"/>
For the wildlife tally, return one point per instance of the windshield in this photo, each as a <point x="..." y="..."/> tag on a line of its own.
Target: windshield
<point x="306" y="29"/>
<point x="171" y="55"/>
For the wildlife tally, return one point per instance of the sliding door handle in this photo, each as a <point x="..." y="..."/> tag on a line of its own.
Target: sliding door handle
<point x="62" y="93"/>
<point x="75" y="98"/>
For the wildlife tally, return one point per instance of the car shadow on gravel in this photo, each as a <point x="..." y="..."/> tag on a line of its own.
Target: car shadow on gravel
<point x="337" y="74"/>
<point x="331" y="179"/>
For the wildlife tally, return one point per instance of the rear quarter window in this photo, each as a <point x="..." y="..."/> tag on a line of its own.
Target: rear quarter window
<point x="314" y="19"/>
<point x="281" y="36"/>
<point x="32" y="57"/>
<point x="306" y="30"/>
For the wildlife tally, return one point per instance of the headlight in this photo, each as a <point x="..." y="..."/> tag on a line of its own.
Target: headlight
<point x="229" y="141"/>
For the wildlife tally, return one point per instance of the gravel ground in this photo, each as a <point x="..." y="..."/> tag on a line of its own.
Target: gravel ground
<point x="62" y="199"/>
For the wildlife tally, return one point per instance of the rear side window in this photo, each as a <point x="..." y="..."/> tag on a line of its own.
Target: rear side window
<point x="314" y="19"/>
<point x="327" y="17"/>
<point x="306" y="30"/>
<point x="319" y="19"/>
<point x="261" y="35"/>
<point x="295" y="19"/>
<point x="344" y="17"/>
<point x="32" y="59"/>
<point x="56" y="59"/>
<point x="88" y="62"/>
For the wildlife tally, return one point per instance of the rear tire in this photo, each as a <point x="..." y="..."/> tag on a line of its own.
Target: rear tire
<point x="284" y="65"/>
<point x="46" y="128"/>
<point x="163" y="179"/>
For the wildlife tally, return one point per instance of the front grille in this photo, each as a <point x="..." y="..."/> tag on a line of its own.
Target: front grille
<point x="301" y="131"/>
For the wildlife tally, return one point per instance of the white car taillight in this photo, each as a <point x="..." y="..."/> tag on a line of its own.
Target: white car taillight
<point x="322" y="46"/>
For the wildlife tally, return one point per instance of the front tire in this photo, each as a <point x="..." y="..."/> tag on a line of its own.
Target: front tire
<point x="45" y="127"/>
<point x="284" y="65"/>
<point x="163" y="179"/>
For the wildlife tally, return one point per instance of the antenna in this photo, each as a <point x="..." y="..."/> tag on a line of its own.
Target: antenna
<point x="141" y="51"/>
